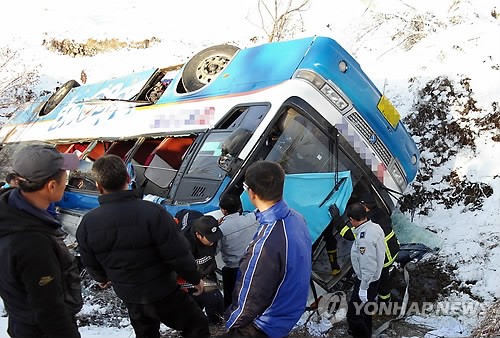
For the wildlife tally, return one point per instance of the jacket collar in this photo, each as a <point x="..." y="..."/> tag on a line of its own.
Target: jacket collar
<point x="17" y="200"/>
<point x="278" y="211"/>
<point x="18" y="215"/>
<point x="119" y="196"/>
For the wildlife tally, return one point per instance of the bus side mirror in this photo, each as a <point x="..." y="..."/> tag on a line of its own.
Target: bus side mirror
<point x="234" y="143"/>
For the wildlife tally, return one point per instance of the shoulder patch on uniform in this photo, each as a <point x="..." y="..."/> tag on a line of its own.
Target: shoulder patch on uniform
<point x="362" y="234"/>
<point x="362" y="250"/>
<point x="45" y="280"/>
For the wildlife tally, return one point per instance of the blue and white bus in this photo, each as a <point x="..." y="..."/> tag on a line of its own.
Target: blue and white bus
<point x="188" y="133"/>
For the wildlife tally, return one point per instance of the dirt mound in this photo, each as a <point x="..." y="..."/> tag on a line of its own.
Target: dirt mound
<point x="105" y="308"/>
<point x="93" y="47"/>
<point x="430" y="280"/>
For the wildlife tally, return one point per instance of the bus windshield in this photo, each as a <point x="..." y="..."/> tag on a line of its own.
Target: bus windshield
<point x="300" y="146"/>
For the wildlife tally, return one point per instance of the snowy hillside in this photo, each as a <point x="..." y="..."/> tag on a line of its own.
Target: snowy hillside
<point x="437" y="61"/>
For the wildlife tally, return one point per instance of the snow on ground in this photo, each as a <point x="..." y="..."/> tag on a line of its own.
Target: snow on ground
<point x="401" y="45"/>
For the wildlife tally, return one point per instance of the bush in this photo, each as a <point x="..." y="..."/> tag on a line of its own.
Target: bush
<point x="16" y="79"/>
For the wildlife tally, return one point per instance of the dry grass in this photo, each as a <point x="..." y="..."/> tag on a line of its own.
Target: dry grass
<point x="490" y="325"/>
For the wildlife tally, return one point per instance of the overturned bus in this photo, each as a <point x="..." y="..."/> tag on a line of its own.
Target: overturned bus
<point x="187" y="133"/>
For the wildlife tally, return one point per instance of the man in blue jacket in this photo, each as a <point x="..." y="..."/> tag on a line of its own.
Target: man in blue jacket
<point x="273" y="280"/>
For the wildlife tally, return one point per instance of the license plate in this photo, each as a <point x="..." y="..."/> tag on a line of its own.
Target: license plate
<point x="387" y="109"/>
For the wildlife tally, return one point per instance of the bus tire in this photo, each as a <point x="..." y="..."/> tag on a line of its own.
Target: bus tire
<point x="202" y="68"/>
<point x="58" y="96"/>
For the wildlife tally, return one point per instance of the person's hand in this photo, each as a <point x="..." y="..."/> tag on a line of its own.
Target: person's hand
<point x="363" y="295"/>
<point x="334" y="211"/>
<point x="105" y="285"/>
<point x="199" y="288"/>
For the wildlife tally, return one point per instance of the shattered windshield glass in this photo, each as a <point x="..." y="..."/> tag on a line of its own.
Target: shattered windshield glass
<point x="205" y="164"/>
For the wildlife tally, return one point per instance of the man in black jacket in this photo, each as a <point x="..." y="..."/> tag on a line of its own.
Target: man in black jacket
<point x="39" y="277"/>
<point x="135" y="245"/>
<point x="203" y="234"/>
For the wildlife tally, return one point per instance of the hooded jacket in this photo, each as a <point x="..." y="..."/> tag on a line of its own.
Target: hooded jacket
<point x="137" y="246"/>
<point x="39" y="277"/>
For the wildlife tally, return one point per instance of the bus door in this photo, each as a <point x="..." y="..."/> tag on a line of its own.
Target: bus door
<point x="318" y="174"/>
<point x="203" y="177"/>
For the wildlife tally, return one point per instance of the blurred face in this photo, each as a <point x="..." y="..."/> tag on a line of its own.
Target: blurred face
<point x="203" y="239"/>
<point x="13" y="182"/>
<point x="56" y="188"/>
<point x="251" y="195"/>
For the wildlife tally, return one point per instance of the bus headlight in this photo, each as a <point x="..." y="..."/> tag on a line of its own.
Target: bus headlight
<point x="336" y="99"/>
<point x="312" y="77"/>
<point x="327" y="88"/>
<point x="398" y="175"/>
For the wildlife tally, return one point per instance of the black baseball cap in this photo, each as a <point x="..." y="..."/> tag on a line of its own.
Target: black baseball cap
<point x="186" y="217"/>
<point x="35" y="163"/>
<point x="209" y="228"/>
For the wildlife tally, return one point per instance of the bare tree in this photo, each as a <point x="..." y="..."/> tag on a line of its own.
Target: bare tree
<point x="277" y="17"/>
<point x="16" y="79"/>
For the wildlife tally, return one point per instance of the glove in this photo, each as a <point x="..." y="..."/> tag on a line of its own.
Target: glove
<point x="334" y="211"/>
<point x="363" y="295"/>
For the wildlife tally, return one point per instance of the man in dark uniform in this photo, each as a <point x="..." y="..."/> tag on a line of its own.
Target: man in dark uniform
<point x="203" y="233"/>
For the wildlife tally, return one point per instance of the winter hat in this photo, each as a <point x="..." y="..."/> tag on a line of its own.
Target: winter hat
<point x="38" y="162"/>
<point x="209" y="228"/>
<point x="186" y="217"/>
